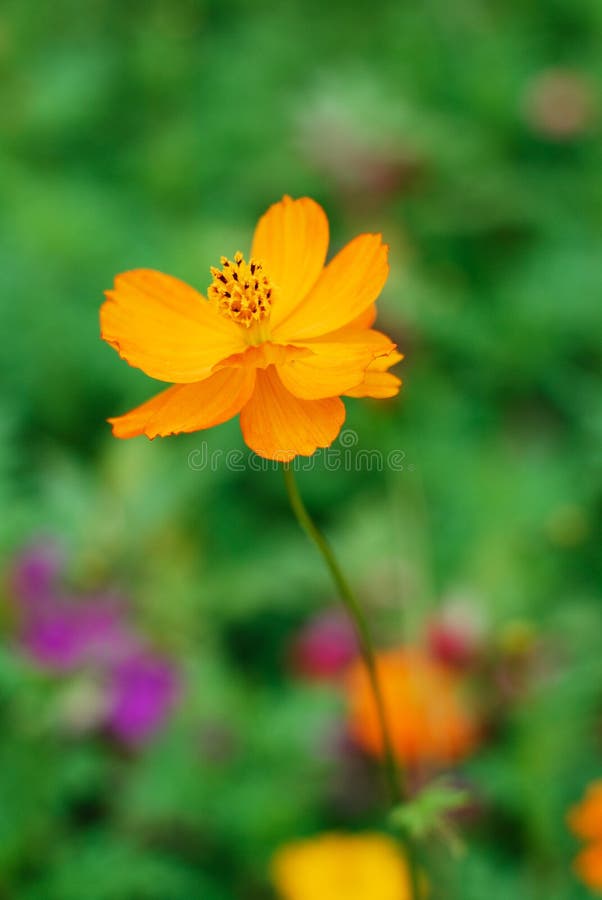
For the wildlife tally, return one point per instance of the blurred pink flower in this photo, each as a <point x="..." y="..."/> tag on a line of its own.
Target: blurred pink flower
<point x="324" y="647"/>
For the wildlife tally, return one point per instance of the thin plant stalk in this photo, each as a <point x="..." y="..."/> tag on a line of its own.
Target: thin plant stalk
<point x="396" y="788"/>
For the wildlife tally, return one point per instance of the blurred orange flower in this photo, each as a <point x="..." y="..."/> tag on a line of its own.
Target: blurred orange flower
<point x="585" y="821"/>
<point x="279" y="339"/>
<point x="341" y="867"/>
<point x="585" y="818"/>
<point x="429" y="717"/>
<point x="588" y="866"/>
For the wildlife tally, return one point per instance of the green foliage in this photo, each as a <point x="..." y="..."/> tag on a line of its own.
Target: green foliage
<point x="428" y="813"/>
<point x="153" y="135"/>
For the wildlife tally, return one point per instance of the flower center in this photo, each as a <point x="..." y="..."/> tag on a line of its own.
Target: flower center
<point x="241" y="290"/>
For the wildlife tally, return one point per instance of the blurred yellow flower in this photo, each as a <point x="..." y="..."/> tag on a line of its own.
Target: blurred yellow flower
<point x="429" y="717"/>
<point x="365" y="866"/>
<point x="585" y="821"/>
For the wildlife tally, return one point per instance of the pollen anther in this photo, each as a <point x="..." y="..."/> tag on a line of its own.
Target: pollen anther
<point x="241" y="290"/>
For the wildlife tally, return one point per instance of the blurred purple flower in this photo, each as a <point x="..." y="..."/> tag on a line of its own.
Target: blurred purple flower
<point x="324" y="647"/>
<point x="144" y="689"/>
<point x="35" y="573"/>
<point x="92" y="634"/>
<point x="65" y="634"/>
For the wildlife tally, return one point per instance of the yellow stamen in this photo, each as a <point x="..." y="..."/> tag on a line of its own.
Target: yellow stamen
<point x="241" y="290"/>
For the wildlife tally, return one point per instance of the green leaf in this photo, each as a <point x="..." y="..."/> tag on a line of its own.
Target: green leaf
<point x="427" y="814"/>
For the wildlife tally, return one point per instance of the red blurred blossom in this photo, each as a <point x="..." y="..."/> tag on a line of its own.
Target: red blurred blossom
<point x="456" y="634"/>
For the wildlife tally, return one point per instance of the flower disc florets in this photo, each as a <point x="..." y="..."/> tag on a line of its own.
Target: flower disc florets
<point x="241" y="290"/>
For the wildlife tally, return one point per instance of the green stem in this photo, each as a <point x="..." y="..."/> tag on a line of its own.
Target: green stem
<point x="362" y="630"/>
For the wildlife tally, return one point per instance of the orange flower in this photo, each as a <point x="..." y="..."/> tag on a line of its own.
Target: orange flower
<point x="588" y="866"/>
<point x="585" y="820"/>
<point x="279" y="339"/>
<point x="429" y="719"/>
<point x="341" y="867"/>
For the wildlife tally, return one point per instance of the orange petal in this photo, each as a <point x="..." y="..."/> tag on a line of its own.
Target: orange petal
<point x="379" y="383"/>
<point x="366" y="319"/>
<point x="333" y="367"/>
<point x="291" y="240"/>
<point x="380" y="343"/>
<point x="189" y="407"/>
<point x="267" y="354"/>
<point x="164" y="327"/>
<point x="277" y="425"/>
<point x="349" y="284"/>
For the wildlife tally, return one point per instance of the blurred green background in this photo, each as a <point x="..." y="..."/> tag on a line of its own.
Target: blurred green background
<point x="154" y="135"/>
